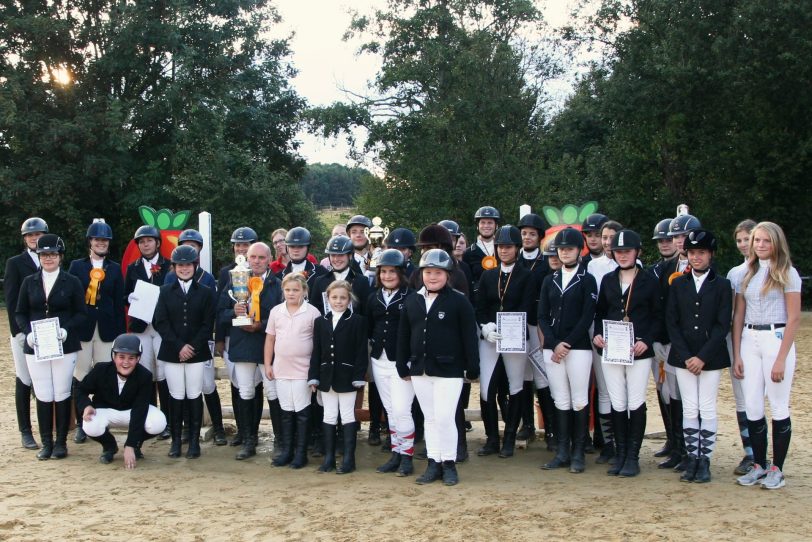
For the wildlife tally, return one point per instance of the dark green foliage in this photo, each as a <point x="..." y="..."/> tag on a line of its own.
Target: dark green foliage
<point x="332" y="184"/>
<point x="181" y="105"/>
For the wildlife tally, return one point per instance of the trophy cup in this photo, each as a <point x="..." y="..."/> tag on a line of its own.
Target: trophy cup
<point x="376" y="234"/>
<point x="239" y="289"/>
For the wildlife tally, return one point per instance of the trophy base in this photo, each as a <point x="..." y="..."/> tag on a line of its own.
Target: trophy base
<point x="241" y="321"/>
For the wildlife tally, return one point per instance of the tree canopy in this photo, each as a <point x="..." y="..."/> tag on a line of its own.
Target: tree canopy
<point x="105" y="106"/>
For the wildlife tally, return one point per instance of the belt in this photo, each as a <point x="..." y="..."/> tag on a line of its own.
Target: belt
<point x="764" y="327"/>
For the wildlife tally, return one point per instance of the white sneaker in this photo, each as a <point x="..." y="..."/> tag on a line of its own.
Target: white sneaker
<point x="774" y="479"/>
<point x="753" y="477"/>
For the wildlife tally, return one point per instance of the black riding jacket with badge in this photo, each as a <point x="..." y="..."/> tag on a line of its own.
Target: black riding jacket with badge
<point x="564" y="315"/>
<point x="441" y="342"/>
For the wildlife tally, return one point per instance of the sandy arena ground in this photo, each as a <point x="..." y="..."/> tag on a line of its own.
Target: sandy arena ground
<point x="218" y="498"/>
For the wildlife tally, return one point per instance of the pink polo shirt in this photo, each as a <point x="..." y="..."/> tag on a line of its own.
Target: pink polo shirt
<point x="294" y="340"/>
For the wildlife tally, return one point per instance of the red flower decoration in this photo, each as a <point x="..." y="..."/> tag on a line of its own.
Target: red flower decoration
<point x="155" y="269"/>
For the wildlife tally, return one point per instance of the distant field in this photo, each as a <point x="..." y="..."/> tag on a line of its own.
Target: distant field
<point x="331" y="216"/>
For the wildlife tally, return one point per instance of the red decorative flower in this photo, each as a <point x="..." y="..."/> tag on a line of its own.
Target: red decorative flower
<point x="155" y="269"/>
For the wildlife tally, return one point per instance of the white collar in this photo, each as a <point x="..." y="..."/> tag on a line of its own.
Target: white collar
<point x="341" y="275"/>
<point x="507" y="268"/>
<point x="154" y="259"/>
<point x="534" y="254"/>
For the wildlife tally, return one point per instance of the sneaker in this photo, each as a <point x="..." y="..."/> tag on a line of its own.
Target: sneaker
<point x="774" y="479"/>
<point x="744" y="466"/>
<point x="753" y="477"/>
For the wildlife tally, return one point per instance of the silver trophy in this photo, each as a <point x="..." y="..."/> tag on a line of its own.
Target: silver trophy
<point x="239" y="289"/>
<point x="376" y="235"/>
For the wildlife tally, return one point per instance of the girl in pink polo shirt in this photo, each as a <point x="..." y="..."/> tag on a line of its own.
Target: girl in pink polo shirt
<point x="288" y="346"/>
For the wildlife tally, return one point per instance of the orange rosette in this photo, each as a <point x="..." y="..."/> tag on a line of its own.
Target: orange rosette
<point x="92" y="292"/>
<point x="489" y="262"/>
<point x="255" y="286"/>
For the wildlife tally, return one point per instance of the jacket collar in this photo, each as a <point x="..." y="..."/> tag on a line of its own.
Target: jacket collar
<point x="580" y="271"/>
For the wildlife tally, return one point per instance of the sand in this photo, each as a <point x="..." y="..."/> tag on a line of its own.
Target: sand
<point x="218" y="498"/>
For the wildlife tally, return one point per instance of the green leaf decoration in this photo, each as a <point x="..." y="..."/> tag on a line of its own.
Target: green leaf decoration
<point x="164" y="219"/>
<point x="147" y="215"/>
<point x="587" y="209"/>
<point x="180" y="219"/>
<point x="552" y="215"/>
<point x="569" y="214"/>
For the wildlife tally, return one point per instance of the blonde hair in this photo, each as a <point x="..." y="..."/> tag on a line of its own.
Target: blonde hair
<point x="298" y="278"/>
<point x="778" y="275"/>
<point x="335" y="285"/>
<point x="277" y="231"/>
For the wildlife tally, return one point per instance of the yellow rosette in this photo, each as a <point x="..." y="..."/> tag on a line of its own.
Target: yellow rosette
<point x="489" y="262"/>
<point x="255" y="286"/>
<point x="92" y="292"/>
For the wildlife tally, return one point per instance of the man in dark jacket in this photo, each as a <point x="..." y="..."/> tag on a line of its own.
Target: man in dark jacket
<point x="121" y="392"/>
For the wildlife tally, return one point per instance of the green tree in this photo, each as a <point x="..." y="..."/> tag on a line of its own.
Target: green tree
<point x="704" y="102"/>
<point x="108" y="105"/>
<point x="458" y="108"/>
<point x="332" y="184"/>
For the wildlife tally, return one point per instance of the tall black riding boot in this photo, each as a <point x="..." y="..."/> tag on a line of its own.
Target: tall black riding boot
<point x="286" y="442"/>
<point x="259" y="407"/>
<point x="276" y="424"/>
<point x="580" y="432"/>
<point x="637" y="429"/>
<point x="514" y="417"/>
<point x="375" y="413"/>
<point x="195" y="422"/>
<point x="328" y="434"/>
<point x="175" y="425"/>
<point x="665" y="413"/>
<point x="490" y="419"/>
<point x="45" y="420"/>
<point x="22" y="400"/>
<point x="249" y="445"/>
<point x="216" y="414"/>
<point x="608" y="450"/>
<point x="187" y="423"/>
<point x="500" y="381"/>
<point x="316" y="440"/>
<point x="620" y="426"/>
<point x="548" y="416"/>
<point x="64" y="411"/>
<point x="350" y="438"/>
<point x="302" y="436"/>
<point x="597" y="441"/>
<point x="166" y="407"/>
<point x="685" y="459"/>
<point x="462" y="439"/>
<point x="235" y="406"/>
<point x="678" y="438"/>
<point x="528" y="430"/>
<point x="562" y="432"/>
<point x="79" y="437"/>
<point x="109" y="447"/>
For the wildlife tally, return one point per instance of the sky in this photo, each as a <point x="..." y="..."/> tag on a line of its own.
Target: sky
<point x="327" y="64"/>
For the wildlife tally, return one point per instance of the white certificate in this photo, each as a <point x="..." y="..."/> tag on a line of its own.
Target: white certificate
<point x="512" y="326"/>
<point x="536" y="358"/>
<point x="619" y="342"/>
<point x="47" y="345"/>
<point x="144" y="299"/>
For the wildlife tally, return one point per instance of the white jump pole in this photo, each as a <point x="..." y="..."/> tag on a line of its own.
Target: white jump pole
<point x="204" y="227"/>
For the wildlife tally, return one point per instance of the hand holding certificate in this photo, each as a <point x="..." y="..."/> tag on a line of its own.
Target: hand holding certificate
<point x="619" y="342"/>
<point x="47" y="344"/>
<point x="512" y="327"/>
<point x="143" y="301"/>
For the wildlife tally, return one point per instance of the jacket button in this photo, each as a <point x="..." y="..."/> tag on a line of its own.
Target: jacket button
<point x="696" y="327"/>
<point x="696" y="315"/>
